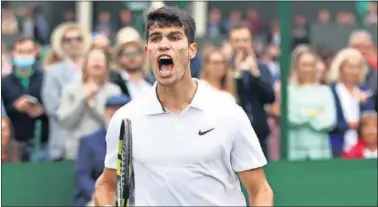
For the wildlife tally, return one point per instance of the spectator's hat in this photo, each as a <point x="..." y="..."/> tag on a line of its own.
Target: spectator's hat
<point x="117" y="101"/>
<point x="57" y="35"/>
<point x="127" y="36"/>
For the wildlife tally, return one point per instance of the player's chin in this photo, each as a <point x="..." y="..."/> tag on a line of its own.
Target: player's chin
<point x="166" y="80"/>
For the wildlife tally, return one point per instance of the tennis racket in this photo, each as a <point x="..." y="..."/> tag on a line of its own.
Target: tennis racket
<point x="124" y="168"/>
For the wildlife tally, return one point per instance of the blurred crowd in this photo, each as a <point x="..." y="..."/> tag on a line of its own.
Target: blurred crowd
<point x="56" y="105"/>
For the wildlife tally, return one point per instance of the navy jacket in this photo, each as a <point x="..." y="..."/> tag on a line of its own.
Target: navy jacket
<point x="23" y="125"/>
<point x="337" y="134"/>
<point x="89" y="165"/>
<point x="253" y="94"/>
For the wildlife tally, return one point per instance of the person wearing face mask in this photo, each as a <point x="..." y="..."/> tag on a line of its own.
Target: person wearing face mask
<point x="21" y="94"/>
<point x="90" y="160"/>
<point x="130" y="59"/>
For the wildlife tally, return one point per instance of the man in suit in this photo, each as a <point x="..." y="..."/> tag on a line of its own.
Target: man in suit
<point x="253" y="80"/>
<point x="129" y="56"/>
<point x="92" y="150"/>
<point x="70" y="42"/>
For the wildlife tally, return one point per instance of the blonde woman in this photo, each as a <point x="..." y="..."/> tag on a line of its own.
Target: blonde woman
<point x="81" y="109"/>
<point x="347" y="72"/>
<point x="311" y="110"/>
<point x="216" y="72"/>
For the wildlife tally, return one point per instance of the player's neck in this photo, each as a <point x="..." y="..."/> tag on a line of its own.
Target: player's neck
<point x="176" y="98"/>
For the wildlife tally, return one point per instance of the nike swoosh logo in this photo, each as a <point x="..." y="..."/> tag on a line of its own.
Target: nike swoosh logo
<point x="205" y="132"/>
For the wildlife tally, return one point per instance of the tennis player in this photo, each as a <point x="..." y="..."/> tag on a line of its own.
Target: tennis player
<point x="190" y="146"/>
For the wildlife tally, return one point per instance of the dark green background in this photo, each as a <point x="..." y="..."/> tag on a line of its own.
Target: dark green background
<point x="336" y="183"/>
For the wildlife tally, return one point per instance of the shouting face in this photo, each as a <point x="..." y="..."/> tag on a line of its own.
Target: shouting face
<point x="169" y="54"/>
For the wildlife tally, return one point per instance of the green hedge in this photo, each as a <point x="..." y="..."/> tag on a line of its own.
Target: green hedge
<point x="336" y="183"/>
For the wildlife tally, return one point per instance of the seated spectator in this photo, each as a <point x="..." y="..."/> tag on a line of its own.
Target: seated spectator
<point x="366" y="146"/>
<point x="21" y="93"/>
<point x="254" y="82"/>
<point x="346" y="74"/>
<point x="70" y="42"/>
<point x="82" y="105"/>
<point x="91" y="155"/>
<point x="217" y="73"/>
<point x="130" y="63"/>
<point x="9" y="147"/>
<point x="310" y="117"/>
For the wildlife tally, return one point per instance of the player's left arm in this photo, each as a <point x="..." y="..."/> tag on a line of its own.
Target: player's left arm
<point x="259" y="191"/>
<point x="247" y="159"/>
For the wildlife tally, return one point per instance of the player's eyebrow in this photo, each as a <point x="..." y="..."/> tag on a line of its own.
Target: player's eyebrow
<point x="175" y="33"/>
<point x="155" y="34"/>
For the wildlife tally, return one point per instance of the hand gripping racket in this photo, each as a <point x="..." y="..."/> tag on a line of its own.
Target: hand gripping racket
<point x="124" y="168"/>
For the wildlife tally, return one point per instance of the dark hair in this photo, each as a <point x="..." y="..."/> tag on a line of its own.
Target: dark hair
<point x="238" y="26"/>
<point x="21" y="39"/>
<point x="172" y="17"/>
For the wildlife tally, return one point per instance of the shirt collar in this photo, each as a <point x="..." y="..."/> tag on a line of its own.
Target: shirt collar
<point x="199" y="100"/>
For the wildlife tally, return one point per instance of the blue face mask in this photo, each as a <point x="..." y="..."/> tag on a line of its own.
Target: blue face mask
<point x="23" y="62"/>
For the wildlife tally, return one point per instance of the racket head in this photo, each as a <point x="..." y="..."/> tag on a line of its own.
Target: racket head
<point x="124" y="168"/>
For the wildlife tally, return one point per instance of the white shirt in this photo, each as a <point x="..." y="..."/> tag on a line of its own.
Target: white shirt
<point x="173" y="164"/>
<point x="135" y="89"/>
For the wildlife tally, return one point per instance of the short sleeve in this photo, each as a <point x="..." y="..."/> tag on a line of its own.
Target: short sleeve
<point x="112" y="137"/>
<point x="246" y="152"/>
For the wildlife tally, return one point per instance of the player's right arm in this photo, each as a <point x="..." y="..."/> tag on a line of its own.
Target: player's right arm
<point x="105" y="189"/>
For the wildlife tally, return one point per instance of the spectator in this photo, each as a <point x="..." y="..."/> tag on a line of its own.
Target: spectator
<point x="271" y="58"/>
<point x="310" y="117"/>
<point x="324" y="16"/>
<point x="346" y="74"/>
<point x="70" y="42"/>
<point x="6" y="67"/>
<point x="101" y="42"/>
<point x="34" y="25"/>
<point x="68" y="16"/>
<point x="217" y="73"/>
<point x="21" y="93"/>
<point x="255" y="23"/>
<point x="371" y="17"/>
<point x="104" y="24"/>
<point x="91" y="155"/>
<point x="130" y="76"/>
<point x="234" y="18"/>
<point x="362" y="41"/>
<point x="254" y="82"/>
<point x="214" y="28"/>
<point x="301" y="31"/>
<point x="82" y="104"/>
<point x="9" y="23"/>
<point x="125" y="19"/>
<point x="366" y="146"/>
<point x="274" y="35"/>
<point x="9" y="147"/>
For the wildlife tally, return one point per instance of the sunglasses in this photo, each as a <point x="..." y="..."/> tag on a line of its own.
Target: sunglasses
<point x="130" y="53"/>
<point x="72" y="39"/>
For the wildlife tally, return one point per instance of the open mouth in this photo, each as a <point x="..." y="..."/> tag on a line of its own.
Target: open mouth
<point x="165" y="63"/>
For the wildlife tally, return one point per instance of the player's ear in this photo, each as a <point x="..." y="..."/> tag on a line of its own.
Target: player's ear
<point x="192" y="50"/>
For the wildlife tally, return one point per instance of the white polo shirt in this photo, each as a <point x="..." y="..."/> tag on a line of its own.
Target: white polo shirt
<point x="174" y="164"/>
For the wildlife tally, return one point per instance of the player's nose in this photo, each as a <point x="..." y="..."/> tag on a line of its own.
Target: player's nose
<point x="164" y="44"/>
